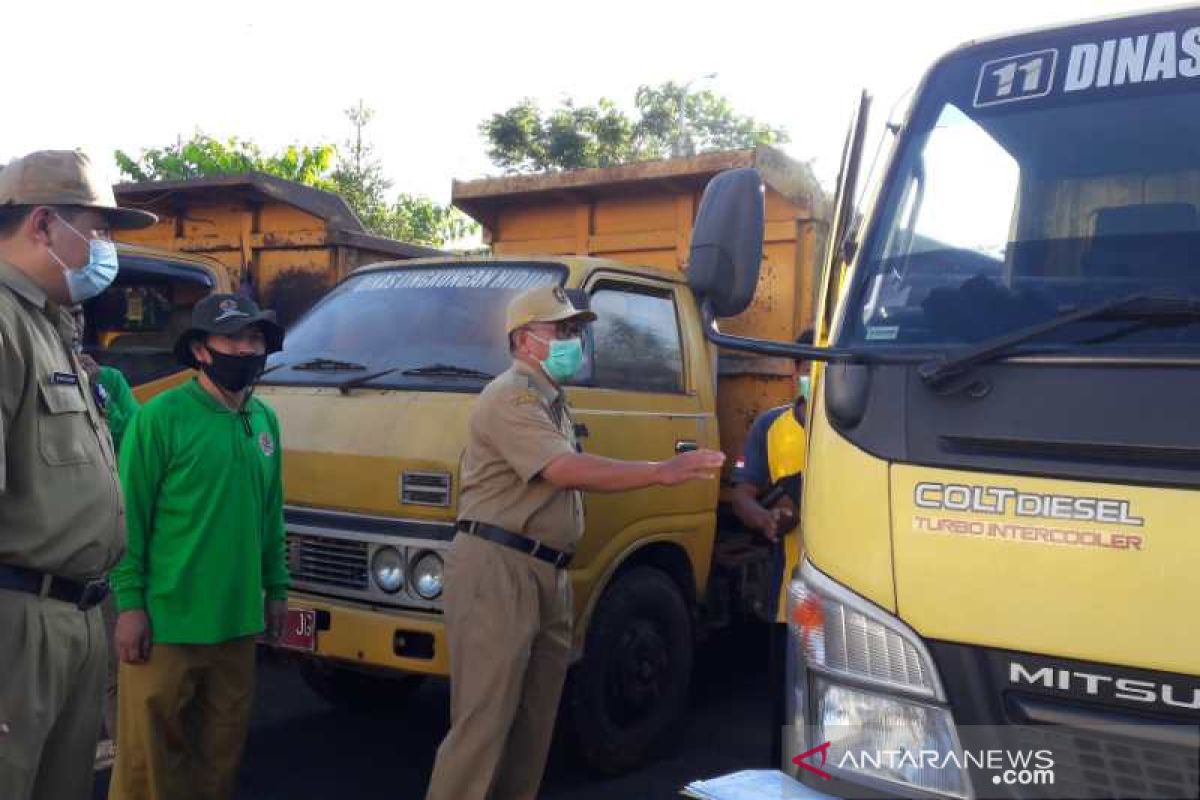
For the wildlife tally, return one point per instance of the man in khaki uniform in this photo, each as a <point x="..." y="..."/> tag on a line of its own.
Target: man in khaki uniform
<point x="508" y="604"/>
<point x="62" y="524"/>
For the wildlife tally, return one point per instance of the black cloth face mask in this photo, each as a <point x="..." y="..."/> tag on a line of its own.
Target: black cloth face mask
<point x="233" y="373"/>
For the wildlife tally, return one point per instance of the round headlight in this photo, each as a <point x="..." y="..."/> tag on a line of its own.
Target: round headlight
<point x="387" y="568"/>
<point x="427" y="576"/>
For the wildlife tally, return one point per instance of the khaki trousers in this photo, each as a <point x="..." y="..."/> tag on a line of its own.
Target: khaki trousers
<point x="182" y="722"/>
<point x="508" y="624"/>
<point x="51" y="677"/>
<point x="109" y="610"/>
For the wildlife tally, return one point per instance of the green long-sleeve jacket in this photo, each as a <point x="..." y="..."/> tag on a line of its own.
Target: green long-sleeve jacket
<point x="204" y="512"/>
<point x="121" y="406"/>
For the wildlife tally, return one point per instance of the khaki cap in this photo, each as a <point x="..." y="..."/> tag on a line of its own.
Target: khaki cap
<point x="65" y="178"/>
<point x="544" y="304"/>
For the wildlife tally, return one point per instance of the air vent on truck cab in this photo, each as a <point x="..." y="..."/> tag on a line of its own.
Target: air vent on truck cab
<point x="425" y="488"/>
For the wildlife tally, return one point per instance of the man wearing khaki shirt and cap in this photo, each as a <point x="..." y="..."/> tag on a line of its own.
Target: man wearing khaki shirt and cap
<point x="508" y="603"/>
<point x="62" y="524"/>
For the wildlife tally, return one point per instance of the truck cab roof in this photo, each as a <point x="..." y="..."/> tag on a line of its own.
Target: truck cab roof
<point x="579" y="267"/>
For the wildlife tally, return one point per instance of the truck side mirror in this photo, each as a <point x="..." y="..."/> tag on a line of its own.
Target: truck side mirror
<point x="727" y="242"/>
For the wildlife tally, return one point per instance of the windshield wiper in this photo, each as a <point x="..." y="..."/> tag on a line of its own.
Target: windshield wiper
<point x="939" y="371"/>
<point x="448" y="369"/>
<point x="1167" y="312"/>
<point x="358" y="380"/>
<point x="317" y="365"/>
<point x="328" y="365"/>
<point x="431" y="369"/>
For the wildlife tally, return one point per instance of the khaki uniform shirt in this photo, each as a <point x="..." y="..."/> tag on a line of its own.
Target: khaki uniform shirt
<point x="60" y="503"/>
<point x="519" y="424"/>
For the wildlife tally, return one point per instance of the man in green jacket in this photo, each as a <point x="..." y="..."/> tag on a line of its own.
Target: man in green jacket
<point x="205" y="570"/>
<point x="119" y="403"/>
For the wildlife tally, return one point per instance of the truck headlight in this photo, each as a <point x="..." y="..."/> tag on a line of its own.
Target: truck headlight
<point x="864" y="681"/>
<point x="427" y="576"/>
<point x="888" y="739"/>
<point x="847" y="635"/>
<point x="387" y="569"/>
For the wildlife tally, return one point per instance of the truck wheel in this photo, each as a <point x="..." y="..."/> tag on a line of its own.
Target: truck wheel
<point x="356" y="690"/>
<point x="632" y="685"/>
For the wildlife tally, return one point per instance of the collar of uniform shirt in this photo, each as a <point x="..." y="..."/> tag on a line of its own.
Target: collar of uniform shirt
<point x="16" y="280"/>
<point x="552" y="394"/>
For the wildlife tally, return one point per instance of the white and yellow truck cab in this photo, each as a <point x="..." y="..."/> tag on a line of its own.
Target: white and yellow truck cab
<point x="999" y="591"/>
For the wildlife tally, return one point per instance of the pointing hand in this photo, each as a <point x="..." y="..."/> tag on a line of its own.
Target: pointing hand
<point x="693" y="466"/>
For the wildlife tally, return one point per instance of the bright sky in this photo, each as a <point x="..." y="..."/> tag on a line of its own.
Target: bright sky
<point x="135" y="74"/>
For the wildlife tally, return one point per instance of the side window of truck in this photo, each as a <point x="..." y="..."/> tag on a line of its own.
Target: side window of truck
<point x="636" y="344"/>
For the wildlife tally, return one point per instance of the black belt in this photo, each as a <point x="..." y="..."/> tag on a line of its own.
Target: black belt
<point x="530" y="547"/>
<point x="82" y="595"/>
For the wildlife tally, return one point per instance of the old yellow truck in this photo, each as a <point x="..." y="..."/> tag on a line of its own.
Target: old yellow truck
<point x="374" y="386"/>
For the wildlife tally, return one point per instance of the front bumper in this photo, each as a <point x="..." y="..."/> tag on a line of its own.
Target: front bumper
<point x="408" y="641"/>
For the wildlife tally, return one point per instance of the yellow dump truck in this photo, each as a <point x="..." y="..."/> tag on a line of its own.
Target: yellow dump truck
<point x="999" y="592"/>
<point x="374" y="386"/>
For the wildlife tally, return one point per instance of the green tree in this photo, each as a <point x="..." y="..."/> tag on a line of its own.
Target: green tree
<point x="353" y="172"/>
<point x="203" y="155"/>
<point x="523" y="139"/>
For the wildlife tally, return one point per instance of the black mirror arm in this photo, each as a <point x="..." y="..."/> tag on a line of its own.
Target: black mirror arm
<point x="765" y="347"/>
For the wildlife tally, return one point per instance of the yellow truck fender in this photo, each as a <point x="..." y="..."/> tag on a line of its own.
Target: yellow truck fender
<point x="694" y="547"/>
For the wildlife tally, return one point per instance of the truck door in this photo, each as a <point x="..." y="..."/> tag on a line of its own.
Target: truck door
<point x="837" y="260"/>
<point x="637" y="399"/>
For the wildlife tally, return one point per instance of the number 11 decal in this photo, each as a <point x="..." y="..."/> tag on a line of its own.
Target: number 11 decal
<point x="1022" y="77"/>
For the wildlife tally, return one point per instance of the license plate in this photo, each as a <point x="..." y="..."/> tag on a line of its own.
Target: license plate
<point x="301" y="630"/>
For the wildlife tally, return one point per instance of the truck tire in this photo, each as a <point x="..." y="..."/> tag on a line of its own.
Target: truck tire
<point x="631" y="687"/>
<point x="356" y="690"/>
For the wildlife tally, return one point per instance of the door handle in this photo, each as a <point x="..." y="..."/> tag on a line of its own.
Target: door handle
<point x="685" y="446"/>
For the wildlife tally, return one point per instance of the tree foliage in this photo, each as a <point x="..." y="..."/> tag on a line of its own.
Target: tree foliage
<point x="352" y="171"/>
<point x="204" y="155"/>
<point x="670" y="120"/>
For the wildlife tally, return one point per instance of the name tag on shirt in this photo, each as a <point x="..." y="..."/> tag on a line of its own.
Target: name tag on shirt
<point x="64" y="379"/>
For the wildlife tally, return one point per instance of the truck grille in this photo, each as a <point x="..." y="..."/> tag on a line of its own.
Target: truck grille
<point x="425" y="489"/>
<point x="333" y="562"/>
<point x="1102" y="765"/>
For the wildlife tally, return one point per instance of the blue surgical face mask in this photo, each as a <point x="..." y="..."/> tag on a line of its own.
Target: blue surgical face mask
<point x="565" y="358"/>
<point x="96" y="275"/>
<point x="805" y="386"/>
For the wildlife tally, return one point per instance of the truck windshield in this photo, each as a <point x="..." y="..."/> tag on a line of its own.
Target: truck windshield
<point x="1039" y="176"/>
<point x="403" y="320"/>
